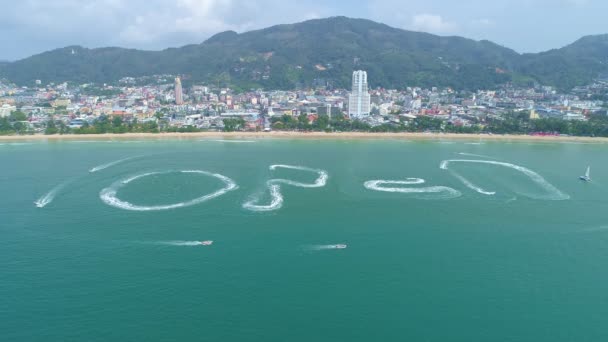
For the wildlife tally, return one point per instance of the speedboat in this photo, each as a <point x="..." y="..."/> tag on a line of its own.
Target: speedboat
<point x="207" y="243"/>
<point x="340" y="246"/>
<point x="587" y="176"/>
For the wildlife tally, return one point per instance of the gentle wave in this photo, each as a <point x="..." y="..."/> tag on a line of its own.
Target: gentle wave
<point x="232" y="141"/>
<point x="556" y="194"/>
<point x="377" y="185"/>
<point x="475" y="155"/>
<point x="132" y="141"/>
<point x="594" y="229"/>
<point x="109" y="195"/>
<point x="16" y="144"/>
<point x="110" y="164"/>
<point x="275" y="189"/>
<point x="88" y="141"/>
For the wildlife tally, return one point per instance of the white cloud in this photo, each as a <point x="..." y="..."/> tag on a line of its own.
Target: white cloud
<point x="577" y="2"/>
<point x="202" y="15"/>
<point x="36" y="25"/>
<point x="432" y="23"/>
<point x="32" y="26"/>
<point x="188" y="18"/>
<point x="311" y="15"/>
<point x="482" y="22"/>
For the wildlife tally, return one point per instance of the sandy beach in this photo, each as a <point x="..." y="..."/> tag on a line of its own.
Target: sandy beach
<point x="302" y="135"/>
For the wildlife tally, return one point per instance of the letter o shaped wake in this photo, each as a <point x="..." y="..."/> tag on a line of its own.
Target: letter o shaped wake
<point x="109" y="194"/>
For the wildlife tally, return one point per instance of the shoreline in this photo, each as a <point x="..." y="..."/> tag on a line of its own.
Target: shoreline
<point x="302" y="135"/>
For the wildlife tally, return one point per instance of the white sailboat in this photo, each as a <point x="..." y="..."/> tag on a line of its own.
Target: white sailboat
<point x="587" y="176"/>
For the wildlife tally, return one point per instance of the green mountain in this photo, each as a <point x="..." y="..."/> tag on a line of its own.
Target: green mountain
<point x="573" y="65"/>
<point x="323" y="51"/>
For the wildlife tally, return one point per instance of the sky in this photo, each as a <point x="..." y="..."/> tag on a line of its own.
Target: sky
<point x="29" y="27"/>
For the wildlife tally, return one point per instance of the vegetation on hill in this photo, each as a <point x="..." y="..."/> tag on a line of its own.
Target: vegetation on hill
<point x="575" y="64"/>
<point x="324" y="51"/>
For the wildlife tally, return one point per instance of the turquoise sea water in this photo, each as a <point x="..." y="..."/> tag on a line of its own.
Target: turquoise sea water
<point x="456" y="263"/>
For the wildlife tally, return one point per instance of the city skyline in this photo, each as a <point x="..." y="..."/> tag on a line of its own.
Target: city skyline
<point x="156" y="25"/>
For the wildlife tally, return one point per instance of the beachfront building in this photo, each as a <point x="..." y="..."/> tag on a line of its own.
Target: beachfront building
<point x="6" y="110"/>
<point x="359" y="101"/>
<point x="179" y="97"/>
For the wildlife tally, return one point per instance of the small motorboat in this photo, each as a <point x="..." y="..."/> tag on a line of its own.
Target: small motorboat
<point x="340" y="246"/>
<point x="207" y="243"/>
<point x="587" y="176"/>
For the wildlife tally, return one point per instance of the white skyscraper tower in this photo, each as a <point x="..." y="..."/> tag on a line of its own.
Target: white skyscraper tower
<point x="359" y="101"/>
<point x="179" y="96"/>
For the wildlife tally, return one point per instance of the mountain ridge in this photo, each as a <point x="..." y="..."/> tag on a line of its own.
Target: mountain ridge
<point x="325" y="51"/>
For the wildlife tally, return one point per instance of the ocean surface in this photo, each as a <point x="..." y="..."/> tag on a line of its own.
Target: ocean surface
<point x="446" y="241"/>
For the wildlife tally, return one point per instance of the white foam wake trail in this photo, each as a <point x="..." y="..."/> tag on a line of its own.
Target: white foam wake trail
<point x="472" y="186"/>
<point x="535" y="177"/>
<point x="320" y="182"/>
<point x="475" y="155"/>
<point x="109" y="195"/>
<point x="276" y="201"/>
<point x="182" y="243"/>
<point x="378" y="185"/>
<point x="275" y="188"/>
<point x="136" y="177"/>
<point x="323" y="247"/>
<point x="47" y="198"/>
<point x="110" y="164"/>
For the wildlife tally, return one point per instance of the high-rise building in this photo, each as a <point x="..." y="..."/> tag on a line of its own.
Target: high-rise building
<point x="359" y="101"/>
<point x="179" y="96"/>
